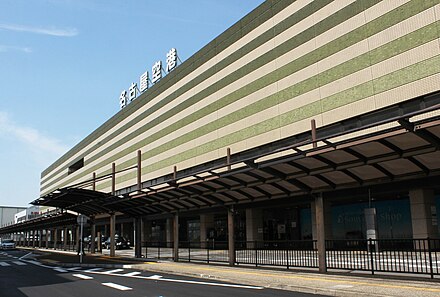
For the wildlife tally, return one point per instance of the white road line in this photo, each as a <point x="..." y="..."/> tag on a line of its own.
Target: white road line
<point x="73" y="268"/>
<point x="112" y="271"/>
<point x="209" y="284"/>
<point x="132" y="273"/>
<point x="158" y="278"/>
<point x="93" y="269"/>
<point x="82" y="276"/>
<point x="59" y="269"/>
<point x="116" y="286"/>
<point x="19" y="263"/>
<point x="4" y="264"/>
<point x="22" y="257"/>
<point x="155" y="276"/>
<point x="38" y="264"/>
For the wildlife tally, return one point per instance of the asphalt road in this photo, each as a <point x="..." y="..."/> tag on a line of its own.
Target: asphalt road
<point x="23" y="276"/>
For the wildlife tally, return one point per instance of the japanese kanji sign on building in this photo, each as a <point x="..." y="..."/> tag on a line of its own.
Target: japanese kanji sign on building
<point x="144" y="80"/>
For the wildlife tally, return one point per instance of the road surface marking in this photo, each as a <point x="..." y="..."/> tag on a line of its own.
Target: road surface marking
<point x="112" y="271"/>
<point x="73" y="268"/>
<point x="4" y="264"/>
<point x="23" y="257"/>
<point x="93" y="269"/>
<point x="59" y="269"/>
<point x="19" y="263"/>
<point x="159" y="278"/>
<point x="116" y="286"/>
<point x="132" y="273"/>
<point x="155" y="276"/>
<point x="82" y="276"/>
<point x="314" y="278"/>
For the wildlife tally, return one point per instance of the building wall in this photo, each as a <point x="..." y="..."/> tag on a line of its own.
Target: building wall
<point x="263" y="80"/>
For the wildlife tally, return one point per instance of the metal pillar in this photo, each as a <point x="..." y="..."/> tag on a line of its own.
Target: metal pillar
<point x="176" y="238"/>
<point x="65" y="235"/>
<point x="40" y="239"/>
<point x="53" y="237"/>
<point x="112" y="234"/>
<point x="142" y="231"/>
<point x="231" y="242"/>
<point x="320" y="232"/>
<point x="137" y="238"/>
<point x="47" y="238"/>
<point x="112" y="215"/>
<point x="34" y="235"/>
<point x="92" y="235"/>
<point x="99" y="242"/>
<point x="77" y="238"/>
<point x="139" y="170"/>
<point x="313" y="125"/>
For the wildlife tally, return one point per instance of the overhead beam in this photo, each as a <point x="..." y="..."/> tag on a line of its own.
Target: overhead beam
<point x="256" y="176"/>
<point x="419" y="164"/>
<point x="391" y="146"/>
<point x="281" y="188"/>
<point x="251" y="164"/>
<point x="325" y="161"/>
<point x="356" y="154"/>
<point x="353" y="176"/>
<point x="384" y="171"/>
<point x="300" y="167"/>
<point x="230" y="196"/>
<point x="302" y="186"/>
<point x="265" y="193"/>
<point x="424" y="134"/>
<point x="326" y="180"/>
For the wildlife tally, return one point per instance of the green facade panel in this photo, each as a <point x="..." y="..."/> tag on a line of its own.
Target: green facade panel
<point x="317" y="106"/>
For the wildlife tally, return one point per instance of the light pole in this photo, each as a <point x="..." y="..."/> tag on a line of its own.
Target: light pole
<point x="81" y="220"/>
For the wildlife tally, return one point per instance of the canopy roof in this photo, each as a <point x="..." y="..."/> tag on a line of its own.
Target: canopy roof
<point x="46" y="221"/>
<point x="397" y="144"/>
<point x="389" y="145"/>
<point x="84" y="201"/>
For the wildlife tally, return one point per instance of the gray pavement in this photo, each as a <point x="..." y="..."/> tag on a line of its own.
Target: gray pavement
<point x="21" y="275"/>
<point x="345" y="284"/>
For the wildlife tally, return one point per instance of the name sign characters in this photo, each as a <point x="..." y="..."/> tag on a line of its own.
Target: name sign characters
<point x="144" y="80"/>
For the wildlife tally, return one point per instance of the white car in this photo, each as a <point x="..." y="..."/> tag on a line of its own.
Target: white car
<point x="7" y="244"/>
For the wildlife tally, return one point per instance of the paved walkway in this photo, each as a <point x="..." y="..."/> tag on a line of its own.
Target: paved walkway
<point x="308" y="282"/>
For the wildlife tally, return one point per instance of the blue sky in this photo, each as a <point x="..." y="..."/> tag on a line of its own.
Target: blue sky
<point x="63" y="64"/>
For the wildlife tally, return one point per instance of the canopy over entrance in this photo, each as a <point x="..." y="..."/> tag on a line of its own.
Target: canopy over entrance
<point x="396" y="144"/>
<point x="87" y="202"/>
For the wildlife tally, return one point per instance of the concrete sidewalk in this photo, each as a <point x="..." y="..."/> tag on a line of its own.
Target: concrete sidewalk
<point x="308" y="282"/>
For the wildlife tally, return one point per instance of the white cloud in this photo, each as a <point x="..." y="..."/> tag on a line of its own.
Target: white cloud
<point x="7" y="48"/>
<point x="45" y="146"/>
<point x="67" y="32"/>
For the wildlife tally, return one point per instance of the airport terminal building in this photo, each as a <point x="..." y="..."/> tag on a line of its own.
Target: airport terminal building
<point x="305" y="120"/>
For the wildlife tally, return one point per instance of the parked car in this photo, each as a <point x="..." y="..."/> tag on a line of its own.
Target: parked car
<point x="121" y="243"/>
<point x="7" y="244"/>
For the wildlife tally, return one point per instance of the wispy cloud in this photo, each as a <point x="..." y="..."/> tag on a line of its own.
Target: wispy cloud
<point x="66" y="32"/>
<point x="46" y="147"/>
<point x="8" y="48"/>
